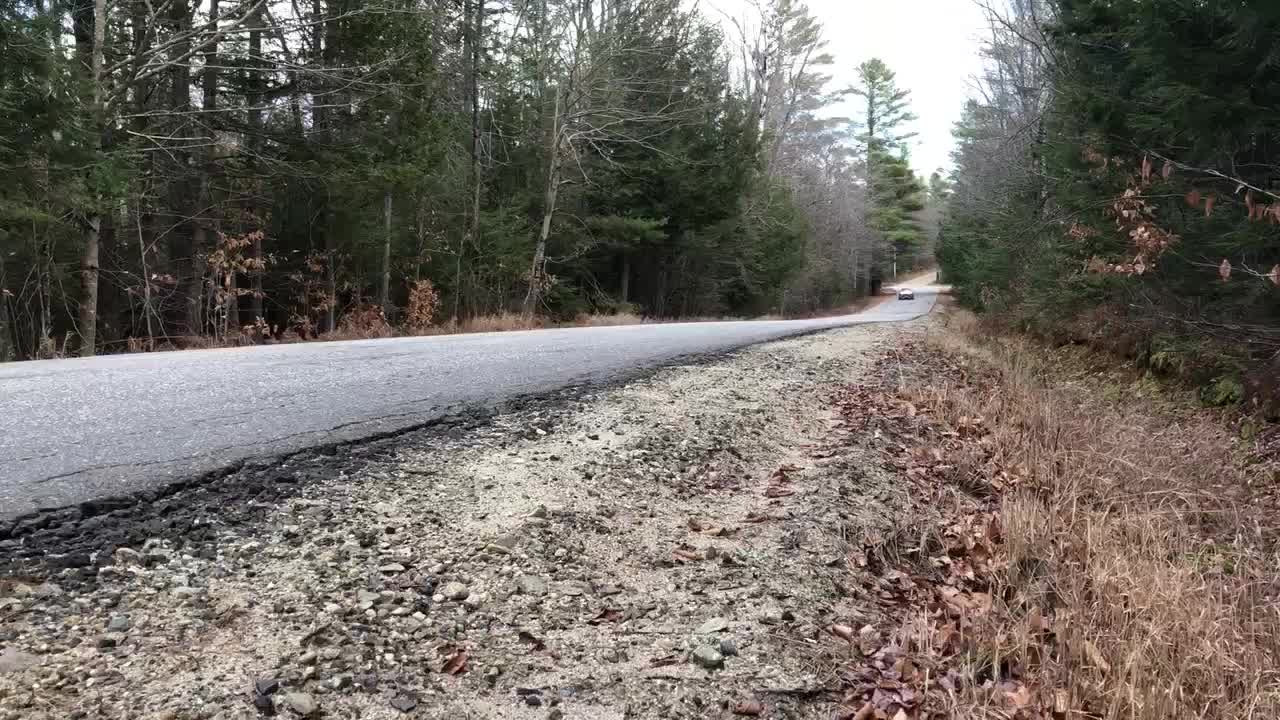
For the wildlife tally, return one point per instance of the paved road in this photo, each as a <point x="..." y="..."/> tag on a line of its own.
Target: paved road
<point x="75" y="430"/>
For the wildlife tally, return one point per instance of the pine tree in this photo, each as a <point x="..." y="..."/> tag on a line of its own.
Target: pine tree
<point x="894" y="195"/>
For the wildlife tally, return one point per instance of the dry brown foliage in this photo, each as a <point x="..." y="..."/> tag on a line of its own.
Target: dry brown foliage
<point x="1096" y="554"/>
<point x="362" y="323"/>
<point x="424" y="301"/>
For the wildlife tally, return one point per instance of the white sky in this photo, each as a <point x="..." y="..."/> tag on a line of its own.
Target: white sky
<point x="931" y="44"/>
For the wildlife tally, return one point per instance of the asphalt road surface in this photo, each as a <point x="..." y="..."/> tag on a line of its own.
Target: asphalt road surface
<point x="80" y="429"/>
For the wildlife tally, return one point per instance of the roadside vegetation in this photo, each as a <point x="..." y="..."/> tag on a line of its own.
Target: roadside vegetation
<point x="1100" y="548"/>
<point x="1116" y="185"/>
<point x="204" y="174"/>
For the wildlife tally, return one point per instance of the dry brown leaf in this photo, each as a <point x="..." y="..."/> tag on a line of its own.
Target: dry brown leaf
<point x="842" y="631"/>
<point x="1146" y="167"/>
<point x="865" y="712"/>
<point x="944" y="636"/>
<point x="685" y="555"/>
<point x="1167" y="170"/>
<point x="1224" y="270"/>
<point x="606" y="615"/>
<point x="748" y="707"/>
<point x="1208" y="205"/>
<point x="775" y="491"/>
<point x="456" y="663"/>
<point x="1021" y="697"/>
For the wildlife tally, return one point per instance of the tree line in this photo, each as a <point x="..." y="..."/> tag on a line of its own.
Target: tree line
<point x="183" y="172"/>
<point x="1118" y="183"/>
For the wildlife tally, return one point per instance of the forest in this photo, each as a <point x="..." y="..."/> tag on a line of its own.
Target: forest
<point x="219" y="172"/>
<point x="1117" y="184"/>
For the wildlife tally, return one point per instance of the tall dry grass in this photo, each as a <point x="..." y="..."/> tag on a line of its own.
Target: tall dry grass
<point x="1137" y="530"/>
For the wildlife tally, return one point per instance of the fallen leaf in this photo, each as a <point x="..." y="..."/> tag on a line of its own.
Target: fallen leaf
<point x="748" y="707"/>
<point x="865" y="712"/>
<point x="695" y="524"/>
<point x="1167" y="170"/>
<point x="775" y="491"/>
<point x="606" y="615"/>
<point x="685" y="555"/>
<point x="842" y="631"/>
<point x="1021" y="697"/>
<point x="944" y="636"/>
<point x="1224" y="270"/>
<point x="455" y="663"/>
<point x="1193" y="198"/>
<point x="1274" y="275"/>
<point x="1208" y="205"/>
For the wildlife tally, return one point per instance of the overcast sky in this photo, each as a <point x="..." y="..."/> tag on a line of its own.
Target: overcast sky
<point x="931" y="44"/>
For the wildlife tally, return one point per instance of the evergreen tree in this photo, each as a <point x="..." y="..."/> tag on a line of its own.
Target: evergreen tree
<point x="895" y="193"/>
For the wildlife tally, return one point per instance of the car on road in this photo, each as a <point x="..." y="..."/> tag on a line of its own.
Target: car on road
<point x="906" y="294"/>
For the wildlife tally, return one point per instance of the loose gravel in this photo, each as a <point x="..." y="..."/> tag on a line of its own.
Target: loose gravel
<point x="670" y="548"/>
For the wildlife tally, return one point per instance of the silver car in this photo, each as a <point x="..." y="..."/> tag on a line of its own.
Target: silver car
<point x="906" y="294"/>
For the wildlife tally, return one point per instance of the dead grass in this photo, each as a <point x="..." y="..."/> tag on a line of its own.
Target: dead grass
<point x="586" y="320"/>
<point x="502" y="322"/>
<point x="1136" y="530"/>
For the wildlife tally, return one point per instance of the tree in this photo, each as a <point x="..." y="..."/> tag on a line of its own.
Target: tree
<point x="1115" y="183"/>
<point x="235" y="170"/>
<point x="897" y="196"/>
<point x="879" y="127"/>
<point x="894" y="191"/>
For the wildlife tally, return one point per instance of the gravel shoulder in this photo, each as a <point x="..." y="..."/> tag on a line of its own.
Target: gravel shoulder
<point x="671" y="547"/>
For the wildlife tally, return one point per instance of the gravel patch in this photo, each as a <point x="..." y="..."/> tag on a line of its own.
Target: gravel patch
<point x="670" y="548"/>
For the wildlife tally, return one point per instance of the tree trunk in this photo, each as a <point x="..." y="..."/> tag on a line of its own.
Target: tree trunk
<point x="476" y="40"/>
<point x="626" y="279"/>
<point x="146" y="285"/>
<point x="384" y="291"/>
<point x="88" y="320"/>
<point x="255" y="305"/>
<point x="8" y="336"/>
<point x="534" y="295"/>
<point x="89" y="284"/>
<point x="255" y="144"/>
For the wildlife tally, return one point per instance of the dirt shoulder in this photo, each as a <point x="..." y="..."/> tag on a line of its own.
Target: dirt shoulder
<point x="675" y="547"/>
